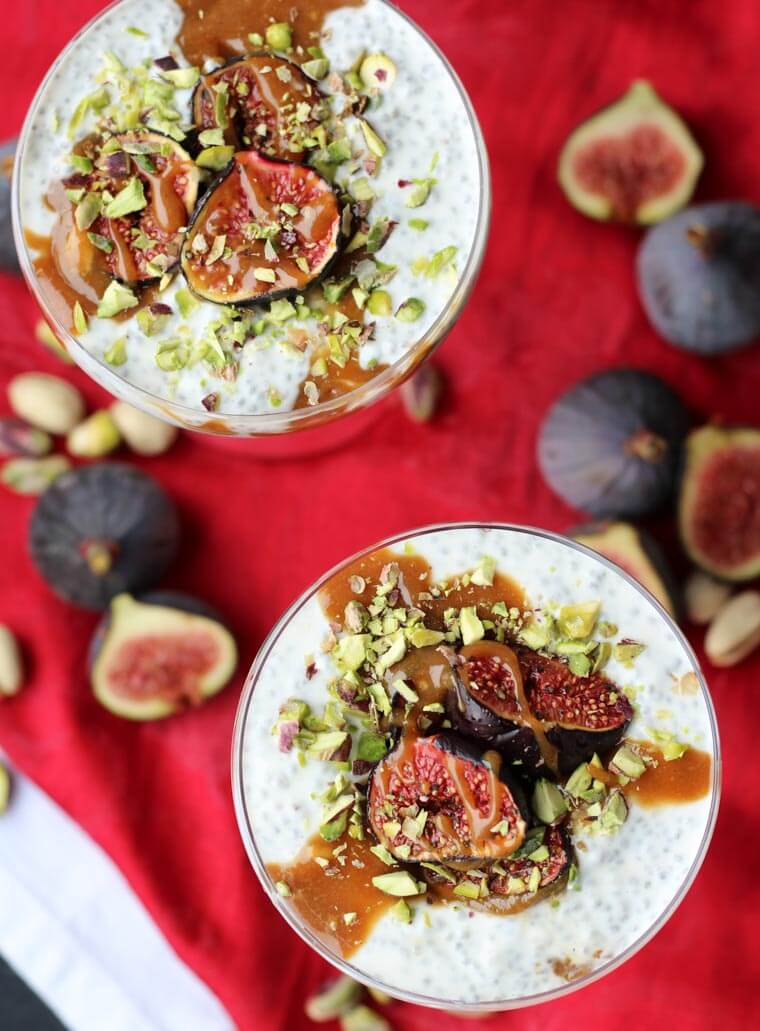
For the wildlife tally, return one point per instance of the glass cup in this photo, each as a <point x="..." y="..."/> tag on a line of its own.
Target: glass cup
<point x="246" y="807"/>
<point x="300" y="431"/>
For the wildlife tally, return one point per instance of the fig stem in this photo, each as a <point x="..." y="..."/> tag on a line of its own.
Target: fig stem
<point x="702" y="239"/>
<point x="647" y="445"/>
<point x="99" y="555"/>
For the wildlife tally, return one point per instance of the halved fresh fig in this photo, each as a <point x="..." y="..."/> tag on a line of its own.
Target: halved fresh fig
<point x="719" y="503"/>
<point x="611" y="444"/>
<point x="154" y="660"/>
<point x="438" y="798"/>
<point x="483" y="703"/>
<point x="582" y="715"/>
<point x="153" y="185"/>
<point x="538" y="870"/>
<point x="635" y="551"/>
<point x="259" y="102"/>
<point x="263" y="230"/>
<point x="635" y="161"/>
<point x="699" y="277"/>
<point x="100" y="530"/>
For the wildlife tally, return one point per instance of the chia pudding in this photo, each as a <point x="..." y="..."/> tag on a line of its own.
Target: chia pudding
<point x="242" y="208"/>
<point x="476" y="741"/>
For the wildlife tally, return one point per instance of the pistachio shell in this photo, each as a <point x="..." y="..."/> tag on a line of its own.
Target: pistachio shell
<point x="17" y="438"/>
<point x="735" y="631"/>
<point x="11" y="668"/>
<point x="46" y="402"/>
<point x="704" y="597"/>
<point x="421" y="394"/>
<point x="143" y="433"/>
<point x="5" y="787"/>
<point x="33" y="475"/>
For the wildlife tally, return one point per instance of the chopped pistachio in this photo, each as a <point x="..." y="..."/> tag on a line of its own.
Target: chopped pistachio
<point x="536" y="634"/>
<point x="79" y="317"/>
<point x="576" y="621"/>
<point x="279" y="35"/>
<point x="116" y="298"/>
<point x="484" y="574"/>
<point x="626" y="651"/>
<point x="470" y="625"/>
<point x="627" y="762"/>
<point x="211" y="138"/>
<point x="81" y="163"/>
<point x="402" y="912"/>
<point x="614" y="813"/>
<point x="579" y="780"/>
<point x="399" y="883"/>
<point x="255" y="39"/>
<point x="351" y="651"/>
<point x="383" y="855"/>
<point x="371" y="747"/>
<point x="361" y="189"/>
<point x="116" y="354"/>
<point x="371" y="138"/>
<point x="217" y="249"/>
<point x="283" y="889"/>
<point x="185" y="302"/>
<point x="87" y="210"/>
<point x="516" y="886"/>
<point x="410" y="310"/>
<point x="215" y="158"/>
<point x="421" y="637"/>
<point x="130" y="198"/>
<point x="265" y="275"/>
<point x="180" y="78"/>
<point x="317" y="68"/>
<point x="362" y="1018"/>
<point x="395" y="653"/>
<point x="440" y="261"/>
<point x="380" y="303"/>
<point x="101" y="242"/>
<point x="377" y="71"/>
<point x="467" y="889"/>
<point x="420" y="224"/>
<point x="548" y="803"/>
<point x="580" y="665"/>
<point x="420" y="192"/>
<point x="339" y="151"/>
<point x="334" y="828"/>
<point x="541" y="853"/>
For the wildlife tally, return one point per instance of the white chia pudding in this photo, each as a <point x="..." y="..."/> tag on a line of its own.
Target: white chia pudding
<point x="395" y="138"/>
<point x="627" y="873"/>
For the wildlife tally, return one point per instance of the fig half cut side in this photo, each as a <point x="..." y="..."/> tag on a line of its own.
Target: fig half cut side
<point x="153" y="660"/>
<point x="152" y="183"/>
<point x="719" y="502"/>
<point x="259" y="102"/>
<point x="264" y="229"/>
<point x="635" y="161"/>
<point x="439" y="798"/>
<point x="635" y="551"/>
<point x="582" y="714"/>
<point x="484" y="702"/>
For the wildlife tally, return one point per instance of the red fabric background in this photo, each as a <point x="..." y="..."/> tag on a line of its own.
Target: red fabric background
<point x="555" y="301"/>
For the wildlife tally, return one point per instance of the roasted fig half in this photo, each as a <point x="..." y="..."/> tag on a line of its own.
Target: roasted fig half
<point x="582" y="715"/>
<point x="611" y="444"/>
<point x="135" y="203"/>
<point x="636" y="552"/>
<point x="635" y="161"/>
<point x="260" y="102"/>
<point x="100" y="530"/>
<point x="538" y="870"/>
<point x="719" y="503"/>
<point x="152" y="660"/>
<point x="263" y="230"/>
<point x="439" y="799"/>
<point x="484" y="703"/>
<point x="699" y="277"/>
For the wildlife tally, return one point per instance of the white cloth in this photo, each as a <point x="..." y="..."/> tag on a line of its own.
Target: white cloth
<point x="74" y="930"/>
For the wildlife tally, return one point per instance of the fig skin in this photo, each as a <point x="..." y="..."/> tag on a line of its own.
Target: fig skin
<point x="699" y="277"/>
<point x="719" y="501"/>
<point x="101" y="530"/>
<point x="611" y="444"/>
<point x="647" y="161"/>
<point x="131" y="624"/>
<point x="637" y="552"/>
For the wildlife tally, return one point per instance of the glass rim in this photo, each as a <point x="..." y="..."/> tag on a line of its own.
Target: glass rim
<point x="296" y="418"/>
<point x="293" y="918"/>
